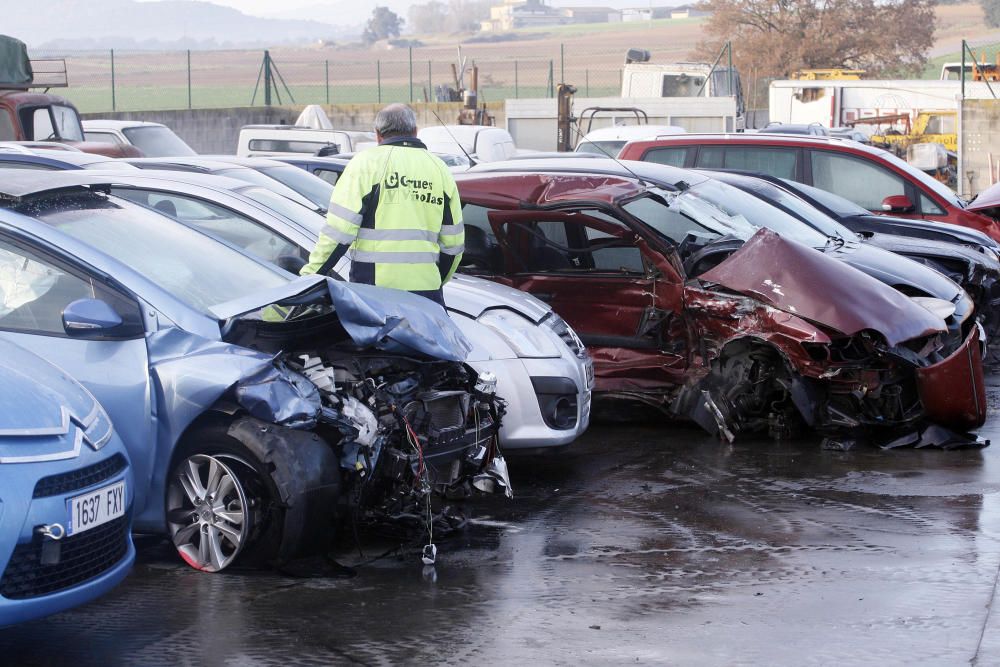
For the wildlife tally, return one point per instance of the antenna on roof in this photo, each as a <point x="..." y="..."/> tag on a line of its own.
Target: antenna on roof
<point x="472" y="163"/>
<point x="581" y="135"/>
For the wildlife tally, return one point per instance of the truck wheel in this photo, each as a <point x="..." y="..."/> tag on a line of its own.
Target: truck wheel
<point x="221" y="503"/>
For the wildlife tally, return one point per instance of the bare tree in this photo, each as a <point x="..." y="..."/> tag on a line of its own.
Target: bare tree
<point x="777" y="37"/>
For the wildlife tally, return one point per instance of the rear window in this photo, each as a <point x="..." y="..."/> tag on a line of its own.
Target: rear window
<point x="779" y="162"/>
<point x="674" y="157"/>
<point x="290" y="146"/>
<point x="155" y="141"/>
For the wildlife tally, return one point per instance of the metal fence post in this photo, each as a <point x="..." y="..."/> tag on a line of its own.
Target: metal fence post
<point x="515" y="80"/>
<point x="562" y="63"/>
<point x="189" y="78"/>
<point x="327" y="64"/>
<point x="267" y="78"/>
<point x="430" y="83"/>
<point x="551" y="77"/>
<point x="378" y="79"/>
<point x="964" y="47"/>
<point x="114" y="105"/>
<point x="411" y="74"/>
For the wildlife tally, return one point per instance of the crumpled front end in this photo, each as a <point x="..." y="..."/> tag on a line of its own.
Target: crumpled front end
<point x="873" y="364"/>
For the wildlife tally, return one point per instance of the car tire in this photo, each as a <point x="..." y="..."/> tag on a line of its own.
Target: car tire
<point x="222" y="505"/>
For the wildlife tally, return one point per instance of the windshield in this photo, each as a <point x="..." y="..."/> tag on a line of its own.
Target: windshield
<point x="67" y="123"/>
<point x="611" y="147"/>
<point x="842" y="208"/>
<point x="678" y="216"/>
<point x="306" y="217"/>
<point x="156" y="141"/>
<point x="192" y="267"/>
<point x="248" y="175"/>
<point x="313" y="188"/>
<point x="758" y="213"/>
<point x="791" y="204"/>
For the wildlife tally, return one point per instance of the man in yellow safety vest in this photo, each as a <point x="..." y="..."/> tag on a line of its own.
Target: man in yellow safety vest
<point x="395" y="212"/>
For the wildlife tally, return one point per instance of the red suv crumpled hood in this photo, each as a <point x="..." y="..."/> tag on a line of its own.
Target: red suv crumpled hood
<point x="797" y="279"/>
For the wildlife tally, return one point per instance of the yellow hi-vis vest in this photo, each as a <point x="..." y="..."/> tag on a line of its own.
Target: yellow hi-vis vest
<point x="397" y="209"/>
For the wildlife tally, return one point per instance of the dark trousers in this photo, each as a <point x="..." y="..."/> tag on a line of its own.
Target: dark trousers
<point x="435" y="295"/>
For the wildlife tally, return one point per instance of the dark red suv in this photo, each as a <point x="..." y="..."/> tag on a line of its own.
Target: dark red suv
<point x="868" y="176"/>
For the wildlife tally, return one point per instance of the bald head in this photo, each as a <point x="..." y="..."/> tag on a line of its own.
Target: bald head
<point x="395" y="120"/>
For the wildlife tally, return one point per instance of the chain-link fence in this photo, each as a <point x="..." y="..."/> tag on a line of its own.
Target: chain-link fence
<point x="145" y="81"/>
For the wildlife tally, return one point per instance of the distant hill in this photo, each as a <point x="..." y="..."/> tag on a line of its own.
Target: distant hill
<point x="70" y="24"/>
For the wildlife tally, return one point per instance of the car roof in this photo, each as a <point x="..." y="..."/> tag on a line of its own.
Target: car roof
<point x="508" y="188"/>
<point x="758" y="138"/>
<point x="164" y="176"/>
<point x="109" y="124"/>
<point x="252" y="162"/>
<point x="193" y="163"/>
<point x="660" y="174"/>
<point x="63" y="159"/>
<point x="18" y="184"/>
<point x="330" y="160"/>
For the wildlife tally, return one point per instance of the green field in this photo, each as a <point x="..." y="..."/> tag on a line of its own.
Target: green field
<point x="933" y="68"/>
<point x="96" y="100"/>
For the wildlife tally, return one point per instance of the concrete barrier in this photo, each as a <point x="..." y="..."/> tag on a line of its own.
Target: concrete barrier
<point x="978" y="145"/>
<point x="214" y="131"/>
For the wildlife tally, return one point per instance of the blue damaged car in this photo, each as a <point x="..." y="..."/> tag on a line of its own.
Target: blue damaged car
<point x="258" y="408"/>
<point x="65" y="490"/>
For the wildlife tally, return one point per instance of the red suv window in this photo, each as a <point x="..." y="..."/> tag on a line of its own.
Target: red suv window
<point x="860" y="181"/>
<point x="780" y="162"/>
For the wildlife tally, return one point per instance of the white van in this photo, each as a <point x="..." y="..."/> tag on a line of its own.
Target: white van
<point x="292" y="140"/>
<point x="484" y="143"/>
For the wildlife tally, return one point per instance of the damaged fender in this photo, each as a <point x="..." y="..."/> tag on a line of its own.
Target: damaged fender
<point x="304" y="470"/>
<point x="936" y="385"/>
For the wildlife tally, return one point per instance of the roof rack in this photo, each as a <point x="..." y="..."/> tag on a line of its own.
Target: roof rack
<point x="49" y="73"/>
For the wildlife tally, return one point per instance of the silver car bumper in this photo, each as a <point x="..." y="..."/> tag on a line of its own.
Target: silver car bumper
<point x="522" y="383"/>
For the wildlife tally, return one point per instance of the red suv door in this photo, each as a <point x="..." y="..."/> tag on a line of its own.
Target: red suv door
<point x="623" y="298"/>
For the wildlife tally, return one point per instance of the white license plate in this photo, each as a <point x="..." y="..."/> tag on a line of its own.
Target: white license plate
<point x="92" y="509"/>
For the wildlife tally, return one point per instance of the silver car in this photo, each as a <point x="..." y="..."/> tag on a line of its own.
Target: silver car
<point x="543" y="370"/>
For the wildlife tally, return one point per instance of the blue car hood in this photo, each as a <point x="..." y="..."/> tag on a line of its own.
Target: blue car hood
<point x="385" y="319"/>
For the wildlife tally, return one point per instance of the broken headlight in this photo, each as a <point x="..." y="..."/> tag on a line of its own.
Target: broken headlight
<point x="527" y="339"/>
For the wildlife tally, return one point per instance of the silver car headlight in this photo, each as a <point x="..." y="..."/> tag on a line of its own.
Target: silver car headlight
<point x="525" y="337"/>
<point x="567" y="335"/>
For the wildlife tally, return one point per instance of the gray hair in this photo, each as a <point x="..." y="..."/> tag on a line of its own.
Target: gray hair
<point x="396" y="120"/>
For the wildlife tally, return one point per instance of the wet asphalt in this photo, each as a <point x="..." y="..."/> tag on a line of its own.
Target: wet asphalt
<point x="650" y="544"/>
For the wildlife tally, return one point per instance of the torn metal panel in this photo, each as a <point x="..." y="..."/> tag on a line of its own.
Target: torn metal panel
<point x="799" y="280"/>
<point x="385" y="319"/>
<point x="281" y="396"/>
<point x="986" y="200"/>
<point x="939" y="387"/>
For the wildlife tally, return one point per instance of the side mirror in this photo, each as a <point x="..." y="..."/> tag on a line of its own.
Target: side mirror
<point x="88" y="317"/>
<point x="897" y="204"/>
